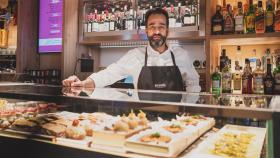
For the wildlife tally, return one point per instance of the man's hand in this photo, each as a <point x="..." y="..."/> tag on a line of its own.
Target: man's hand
<point x="74" y="81"/>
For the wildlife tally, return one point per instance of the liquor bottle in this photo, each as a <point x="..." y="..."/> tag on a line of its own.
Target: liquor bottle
<point x="112" y="20"/>
<point x="226" y="78"/>
<point x="101" y="22"/>
<point x="250" y="18"/>
<point x="229" y="21"/>
<point x="267" y="56"/>
<point x="269" y="17"/>
<point x="253" y="59"/>
<point x="268" y="79"/>
<point x="172" y="18"/>
<point x="247" y="78"/>
<point x="178" y="17"/>
<point x="216" y="82"/>
<point x="238" y="55"/>
<point x="260" y="19"/>
<point x="277" y="18"/>
<point x="89" y="23"/>
<point x="237" y="81"/>
<point x="223" y="60"/>
<point x="258" y="76"/>
<point x="86" y="23"/>
<point x="143" y="20"/>
<point x="106" y="21"/>
<point x="239" y="20"/>
<point x="124" y="18"/>
<point x="188" y="17"/>
<point x="130" y="20"/>
<point x="224" y="8"/>
<point x="217" y="21"/>
<point x="95" y="25"/>
<point x="276" y="73"/>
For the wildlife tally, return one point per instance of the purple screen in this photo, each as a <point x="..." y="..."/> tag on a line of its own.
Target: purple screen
<point x="50" y="26"/>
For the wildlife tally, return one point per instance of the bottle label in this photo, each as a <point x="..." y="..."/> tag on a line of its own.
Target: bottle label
<point x="277" y="78"/>
<point x="187" y="20"/>
<point x="237" y="84"/>
<point x="216" y="84"/>
<point x="228" y="25"/>
<point x="239" y="23"/>
<point x="260" y="23"/>
<point x="269" y="19"/>
<point x="217" y="28"/>
<point x="268" y="84"/>
<point x="85" y="27"/>
<point x="172" y="22"/>
<point x="112" y="25"/>
<point x="226" y="81"/>
<point x="89" y="27"/>
<point x="106" y="26"/>
<point x="95" y="27"/>
<point x="250" y="22"/>
<point x="258" y="83"/>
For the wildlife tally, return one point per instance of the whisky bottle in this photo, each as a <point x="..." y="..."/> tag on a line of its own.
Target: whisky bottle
<point x="130" y="20"/>
<point x="269" y="17"/>
<point x="106" y="21"/>
<point x="258" y="76"/>
<point x="223" y="60"/>
<point x="259" y="20"/>
<point x="89" y="23"/>
<point x="101" y="22"/>
<point x="229" y="21"/>
<point x="226" y="78"/>
<point x="239" y="20"/>
<point x="268" y="79"/>
<point x="267" y="55"/>
<point x="216" y="82"/>
<point x="95" y="25"/>
<point x="217" y="22"/>
<point x="250" y="18"/>
<point x="172" y="19"/>
<point x="277" y="18"/>
<point x="237" y="81"/>
<point x="247" y="78"/>
<point x="178" y="17"/>
<point x="112" y="20"/>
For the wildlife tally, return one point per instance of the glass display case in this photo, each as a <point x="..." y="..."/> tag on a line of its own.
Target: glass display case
<point x="246" y="111"/>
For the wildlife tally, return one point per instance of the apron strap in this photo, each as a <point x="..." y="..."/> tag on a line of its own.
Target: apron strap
<point x="172" y="56"/>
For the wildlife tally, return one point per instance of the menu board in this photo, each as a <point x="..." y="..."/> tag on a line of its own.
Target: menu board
<point x="50" y="26"/>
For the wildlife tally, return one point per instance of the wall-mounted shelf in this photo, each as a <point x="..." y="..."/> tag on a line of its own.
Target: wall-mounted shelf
<point x="184" y="33"/>
<point x="246" y="39"/>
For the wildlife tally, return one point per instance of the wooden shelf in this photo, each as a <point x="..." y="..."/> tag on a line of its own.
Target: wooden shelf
<point x="190" y="33"/>
<point x="246" y="39"/>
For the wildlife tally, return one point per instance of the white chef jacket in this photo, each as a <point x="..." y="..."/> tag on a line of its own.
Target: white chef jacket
<point x="133" y="61"/>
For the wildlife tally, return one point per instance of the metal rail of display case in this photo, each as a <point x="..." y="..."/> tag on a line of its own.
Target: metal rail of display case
<point x="201" y="103"/>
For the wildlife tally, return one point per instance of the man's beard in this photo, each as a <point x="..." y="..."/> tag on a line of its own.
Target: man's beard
<point x="156" y="43"/>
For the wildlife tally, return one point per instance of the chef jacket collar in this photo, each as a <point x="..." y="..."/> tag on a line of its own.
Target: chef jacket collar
<point x="152" y="52"/>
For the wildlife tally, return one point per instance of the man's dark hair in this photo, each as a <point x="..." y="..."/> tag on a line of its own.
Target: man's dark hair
<point x="159" y="11"/>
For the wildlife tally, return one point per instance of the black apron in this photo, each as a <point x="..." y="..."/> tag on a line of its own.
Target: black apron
<point x="167" y="78"/>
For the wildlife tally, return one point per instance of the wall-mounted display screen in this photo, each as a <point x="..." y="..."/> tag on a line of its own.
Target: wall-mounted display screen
<point x="50" y="26"/>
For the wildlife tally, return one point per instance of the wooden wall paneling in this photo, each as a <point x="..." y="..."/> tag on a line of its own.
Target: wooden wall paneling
<point x="70" y="37"/>
<point x="26" y="53"/>
<point x="50" y="61"/>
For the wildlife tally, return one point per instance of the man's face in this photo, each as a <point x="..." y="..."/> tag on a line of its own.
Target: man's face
<point x="157" y="30"/>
